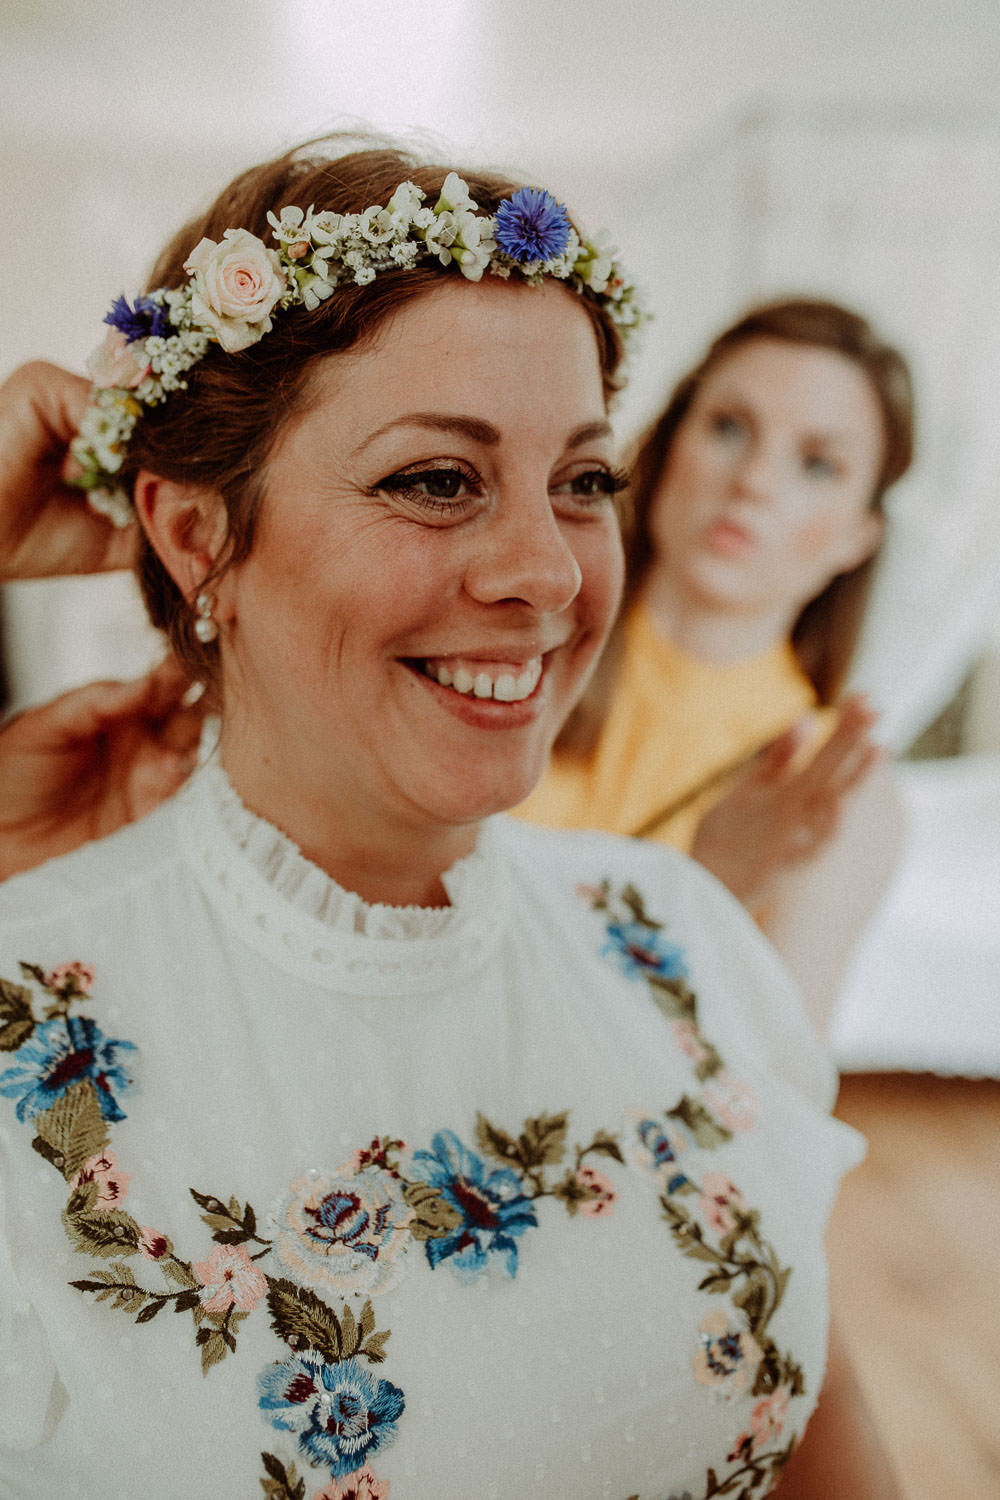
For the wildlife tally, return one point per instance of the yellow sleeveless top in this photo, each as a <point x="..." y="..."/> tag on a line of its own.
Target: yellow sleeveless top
<point x="675" y="727"/>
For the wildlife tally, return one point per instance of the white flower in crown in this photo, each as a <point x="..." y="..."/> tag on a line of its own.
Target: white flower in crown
<point x="379" y="225"/>
<point x="325" y="229"/>
<point x="406" y="201"/>
<point x="237" y="282"/>
<point x="455" y="195"/>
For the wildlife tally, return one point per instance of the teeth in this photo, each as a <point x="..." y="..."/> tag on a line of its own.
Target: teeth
<point x="505" y="689"/>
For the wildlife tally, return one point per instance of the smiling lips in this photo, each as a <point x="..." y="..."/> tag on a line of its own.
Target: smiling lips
<point x="481" y="680"/>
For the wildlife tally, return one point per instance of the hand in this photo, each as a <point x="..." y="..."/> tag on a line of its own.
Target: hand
<point x="98" y="757"/>
<point x="781" y="812"/>
<point x="46" y="526"/>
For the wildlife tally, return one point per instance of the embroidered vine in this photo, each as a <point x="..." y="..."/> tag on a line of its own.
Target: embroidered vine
<point x="336" y="1240"/>
<point x="736" y="1353"/>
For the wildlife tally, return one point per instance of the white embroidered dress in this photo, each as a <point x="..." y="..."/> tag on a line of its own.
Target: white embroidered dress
<point x="523" y="1197"/>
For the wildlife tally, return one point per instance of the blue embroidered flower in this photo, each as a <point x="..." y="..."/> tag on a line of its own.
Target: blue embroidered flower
<point x="660" y="1149"/>
<point x="495" y="1213"/>
<point x="59" y="1054"/>
<point x="641" y="951"/>
<point x="532" y="226"/>
<point x="340" y="1413"/>
<point x="143" y="318"/>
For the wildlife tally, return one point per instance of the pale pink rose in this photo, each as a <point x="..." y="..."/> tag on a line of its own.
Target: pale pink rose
<point x="229" y="1278"/>
<point x="360" y="1486"/>
<point x="112" y="1185"/>
<point x="116" y="362"/>
<point x="604" y="1202"/>
<point x="79" y="975"/>
<point x="688" y="1039"/>
<point x="237" y="282"/>
<point x="768" y="1417"/>
<point x="721" y="1201"/>
<point x="732" y="1102"/>
<point x="152" y="1244"/>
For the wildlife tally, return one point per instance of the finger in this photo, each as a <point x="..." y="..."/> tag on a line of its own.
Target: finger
<point x="776" y="757"/>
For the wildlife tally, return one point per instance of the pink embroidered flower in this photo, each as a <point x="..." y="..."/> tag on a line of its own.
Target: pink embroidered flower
<point x="592" y="894"/>
<point x="229" y="1278"/>
<point x="721" y="1202"/>
<point x="601" y="1193"/>
<point x="359" y="1486"/>
<point x="116" y="362"/>
<point x="766" y="1422"/>
<point x="727" y="1358"/>
<point x="112" y="1184"/>
<point x="237" y="282"/>
<point x="732" y="1102"/>
<point x="768" y="1417"/>
<point x="347" y="1230"/>
<point x="76" y="977"/>
<point x="688" y="1038"/>
<point x="152" y="1244"/>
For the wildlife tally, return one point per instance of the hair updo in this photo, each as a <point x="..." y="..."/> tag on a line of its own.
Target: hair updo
<point x="219" y="432"/>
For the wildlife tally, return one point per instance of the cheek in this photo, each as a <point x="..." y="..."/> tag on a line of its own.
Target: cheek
<point x="602" y="566"/>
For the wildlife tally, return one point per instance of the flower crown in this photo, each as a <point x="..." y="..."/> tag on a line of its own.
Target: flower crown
<point x="236" y="284"/>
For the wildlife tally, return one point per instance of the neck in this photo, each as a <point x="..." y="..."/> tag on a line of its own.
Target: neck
<point x="397" y="864"/>
<point x="708" y="631"/>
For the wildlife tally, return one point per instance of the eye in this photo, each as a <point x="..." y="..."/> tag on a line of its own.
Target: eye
<point x="445" y="488"/>
<point x="820" y="466"/>
<point x="593" y="485"/>
<point x="725" y="425"/>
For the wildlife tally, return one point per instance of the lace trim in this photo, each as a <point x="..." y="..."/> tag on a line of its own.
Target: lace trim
<point x="297" y="914"/>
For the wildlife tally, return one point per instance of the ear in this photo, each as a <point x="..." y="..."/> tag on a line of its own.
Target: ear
<point x="185" y="524"/>
<point x="864" y="541"/>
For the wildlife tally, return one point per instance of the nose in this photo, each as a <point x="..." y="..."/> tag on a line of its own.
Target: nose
<point x="756" y="471"/>
<point x="525" y="557"/>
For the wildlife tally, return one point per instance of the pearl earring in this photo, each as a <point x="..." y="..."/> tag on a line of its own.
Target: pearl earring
<point x="205" y="627"/>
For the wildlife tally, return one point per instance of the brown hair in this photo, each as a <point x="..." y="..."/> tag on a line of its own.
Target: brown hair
<point x="220" y="430"/>
<point x="826" y="632"/>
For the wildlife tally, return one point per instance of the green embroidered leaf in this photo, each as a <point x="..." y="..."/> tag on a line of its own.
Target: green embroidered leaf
<point x="73" y="1129"/>
<point x="101" y="1231"/>
<point x="16" y="1019"/>
<point x="717" y="1281"/>
<point x="706" y="1129"/>
<point x="213" y="1343"/>
<point x="282" y="1483"/>
<point x="752" y="1298"/>
<point x="177" y="1271"/>
<point x="495" y="1142"/>
<point x="543" y="1140"/>
<point x="116" y="1285"/>
<point x="232" y="1225"/>
<point x="675" y="999"/>
<point x="304" y="1321"/>
<point x="634" y="902"/>
<point x="435" y="1216"/>
<point x="603" y="1145"/>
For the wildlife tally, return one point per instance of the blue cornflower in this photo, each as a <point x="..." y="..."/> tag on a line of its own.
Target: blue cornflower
<point x="641" y="951"/>
<point x="340" y="1413"/>
<point x="58" y="1054"/>
<point x="143" y="318"/>
<point x="495" y="1213"/>
<point x="532" y="226"/>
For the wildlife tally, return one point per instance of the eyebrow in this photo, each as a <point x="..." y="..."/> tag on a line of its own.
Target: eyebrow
<point x="477" y="430"/>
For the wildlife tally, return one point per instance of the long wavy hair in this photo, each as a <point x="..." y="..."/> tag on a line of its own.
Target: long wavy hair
<point x="825" y="635"/>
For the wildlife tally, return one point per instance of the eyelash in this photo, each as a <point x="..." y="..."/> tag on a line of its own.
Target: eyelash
<point x="406" y="486"/>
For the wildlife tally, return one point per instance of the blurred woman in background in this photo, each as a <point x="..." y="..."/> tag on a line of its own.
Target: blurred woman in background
<point x="757" y="517"/>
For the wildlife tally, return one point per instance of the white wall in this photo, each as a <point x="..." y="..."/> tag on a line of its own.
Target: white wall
<point x="119" y="118"/>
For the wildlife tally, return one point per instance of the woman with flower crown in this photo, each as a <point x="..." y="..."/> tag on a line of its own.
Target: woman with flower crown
<point x="356" y="1141"/>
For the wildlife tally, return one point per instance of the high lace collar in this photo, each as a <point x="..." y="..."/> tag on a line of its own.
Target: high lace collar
<point x="296" y="914"/>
